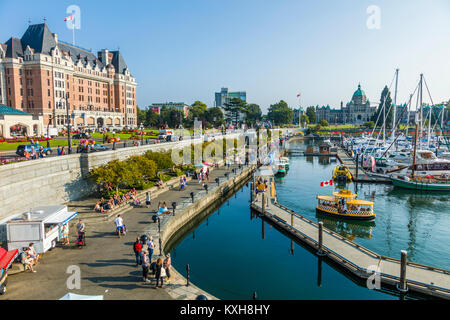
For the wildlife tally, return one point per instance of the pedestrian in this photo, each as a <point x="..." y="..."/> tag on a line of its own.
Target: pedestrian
<point x="63" y="151"/>
<point x="137" y="248"/>
<point x="151" y="247"/>
<point x="147" y="200"/>
<point x="33" y="153"/>
<point x="145" y="266"/>
<point x="119" y="225"/>
<point x="32" y="253"/>
<point x="58" y="151"/>
<point x="166" y="264"/>
<point x="159" y="273"/>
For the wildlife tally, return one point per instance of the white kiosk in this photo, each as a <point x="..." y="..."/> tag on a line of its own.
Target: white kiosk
<point x="42" y="226"/>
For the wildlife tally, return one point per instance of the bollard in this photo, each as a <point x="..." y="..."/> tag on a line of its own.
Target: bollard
<point x="187" y="275"/>
<point x="114" y="145"/>
<point x="357" y="164"/>
<point x="292" y="220"/>
<point x="320" y="252"/>
<point x="159" y="225"/>
<point x="255" y="296"/>
<point x="402" y="286"/>
<point x="192" y="197"/>
<point x="174" y="206"/>
<point x="263" y="203"/>
<point x="206" y="188"/>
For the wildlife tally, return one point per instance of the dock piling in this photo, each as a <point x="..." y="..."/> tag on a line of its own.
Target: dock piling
<point x="187" y="275"/>
<point x="263" y="204"/>
<point x="320" y="251"/>
<point x="402" y="286"/>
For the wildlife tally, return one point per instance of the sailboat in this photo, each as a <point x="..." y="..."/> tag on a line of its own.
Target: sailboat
<point x="424" y="183"/>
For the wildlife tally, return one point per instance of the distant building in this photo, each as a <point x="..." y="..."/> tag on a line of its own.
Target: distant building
<point x="156" y="107"/>
<point x="357" y="111"/>
<point x="224" y="96"/>
<point x="16" y="123"/>
<point x="44" y="76"/>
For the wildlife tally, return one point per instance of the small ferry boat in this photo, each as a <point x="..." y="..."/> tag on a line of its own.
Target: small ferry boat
<point x="343" y="204"/>
<point x="342" y="173"/>
<point x="282" y="166"/>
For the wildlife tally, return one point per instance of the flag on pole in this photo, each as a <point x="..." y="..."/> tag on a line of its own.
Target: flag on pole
<point x="298" y="95"/>
<point x="69" y="18"/>
<point x="326" y="183"/>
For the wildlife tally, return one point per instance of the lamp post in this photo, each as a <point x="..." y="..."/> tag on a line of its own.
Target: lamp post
<point x="142" y="134"/>
<point x="174" y="206"/>
<point x="69" y="139"/>
<point x="48" y="130"/>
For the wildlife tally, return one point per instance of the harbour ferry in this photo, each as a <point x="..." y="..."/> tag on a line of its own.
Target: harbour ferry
<point x="342" y="174"/>
<point x="343" y="204"/>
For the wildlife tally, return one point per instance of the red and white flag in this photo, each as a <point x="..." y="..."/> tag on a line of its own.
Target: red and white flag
<point x="298" y="95"/>
<point x="69" y="18"/>
<point x="326" y="183"/>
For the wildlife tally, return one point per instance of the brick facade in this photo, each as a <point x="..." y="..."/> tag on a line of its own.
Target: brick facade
<point x="43" y="76"/>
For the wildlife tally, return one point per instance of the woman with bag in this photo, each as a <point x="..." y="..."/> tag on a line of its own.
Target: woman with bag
<point x="160" y="273"/>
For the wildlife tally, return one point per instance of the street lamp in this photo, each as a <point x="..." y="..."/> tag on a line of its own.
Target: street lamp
<point x="142" y="134"/>
<point x="48" y="130"/>
<point x="69" y="140"/>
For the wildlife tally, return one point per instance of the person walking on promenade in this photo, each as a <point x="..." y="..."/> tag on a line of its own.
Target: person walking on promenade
<point x="166" y="264"/>
<point x="158" y="274"/>
<point x="58" y="151"/>
<point x="151" y="247"/>
<point x="147" y="199"/>
<point x="119" y="225"/>
<point x="63" y="151"/>
<point x="145" y="266"/>
<point x="137" y="248"/>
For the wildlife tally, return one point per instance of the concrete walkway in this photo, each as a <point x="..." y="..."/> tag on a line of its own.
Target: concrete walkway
<point x="107" y="263"/>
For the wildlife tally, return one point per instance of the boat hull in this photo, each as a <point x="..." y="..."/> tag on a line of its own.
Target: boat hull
<point x="420" y="186"/>
<point x="361" y="217"/>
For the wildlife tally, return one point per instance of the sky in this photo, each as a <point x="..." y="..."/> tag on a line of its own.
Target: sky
<point x="183" y="51"/>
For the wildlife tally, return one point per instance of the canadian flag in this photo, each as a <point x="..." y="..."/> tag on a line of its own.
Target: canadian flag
<point x="326" y="183"/>
<point x="298" y="95"/>
<point x="69" y="18"/>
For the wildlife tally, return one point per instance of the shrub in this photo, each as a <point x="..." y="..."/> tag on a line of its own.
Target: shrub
<point x="163" y="160"/>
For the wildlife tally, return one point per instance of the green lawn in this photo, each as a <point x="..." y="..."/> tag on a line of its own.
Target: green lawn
<point x="53" y="144"/>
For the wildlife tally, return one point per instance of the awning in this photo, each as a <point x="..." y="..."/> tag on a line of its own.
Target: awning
<point x="73" y="296"/>
<point x="62" y="218"/>
<point x="7" y="257"/>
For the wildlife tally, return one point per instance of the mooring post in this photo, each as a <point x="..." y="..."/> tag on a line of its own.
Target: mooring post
<point x="255" y="296"/>
<point x="402" y="286"/>
<point x="263" y="203"/>
<point x="320" y="252"/>
<point x="187" y="275"/>
<point x="292" y="220"/>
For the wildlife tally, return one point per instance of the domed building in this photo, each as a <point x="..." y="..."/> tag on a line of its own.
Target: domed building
<point x="358" y="111"/>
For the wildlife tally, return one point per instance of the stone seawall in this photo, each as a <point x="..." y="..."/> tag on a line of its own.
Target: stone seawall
<point x="57" y="180"/>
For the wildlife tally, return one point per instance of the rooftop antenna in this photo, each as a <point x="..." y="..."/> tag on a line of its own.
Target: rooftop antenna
<point x="45" y="20"/>
<point x="29" y="22"/>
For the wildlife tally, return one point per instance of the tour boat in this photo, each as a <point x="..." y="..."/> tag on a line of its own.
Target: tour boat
<point x="429" y="183"/>
<point x="343" y="204"/>
<point x="342" y="173"/>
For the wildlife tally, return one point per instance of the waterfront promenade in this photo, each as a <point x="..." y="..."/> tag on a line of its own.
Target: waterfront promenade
<point x="107" y="263"/>
<point x="351" y="256"/>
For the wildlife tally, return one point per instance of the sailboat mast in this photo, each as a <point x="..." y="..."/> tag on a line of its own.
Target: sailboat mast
<point x="415" y="149"/>
<point x="421" y="110"/>
<point x="395" y="103"/>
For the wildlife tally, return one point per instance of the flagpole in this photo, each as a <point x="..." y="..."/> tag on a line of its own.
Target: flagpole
<point x="73" y="30"/>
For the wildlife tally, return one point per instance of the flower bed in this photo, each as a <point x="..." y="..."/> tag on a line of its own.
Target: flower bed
<point x="25" y="139"/>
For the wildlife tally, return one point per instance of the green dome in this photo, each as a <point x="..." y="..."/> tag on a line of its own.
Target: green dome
<point x="359" y="92"/>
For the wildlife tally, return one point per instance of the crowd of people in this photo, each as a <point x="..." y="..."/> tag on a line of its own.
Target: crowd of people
<point x="103" y="205"/>
<point x="143" y="249"/>
<point x="29" y="258"/>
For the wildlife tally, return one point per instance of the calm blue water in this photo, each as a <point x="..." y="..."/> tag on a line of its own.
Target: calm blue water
<point x="230" y="259"/>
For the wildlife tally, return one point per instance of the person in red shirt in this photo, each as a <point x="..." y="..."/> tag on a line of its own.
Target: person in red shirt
<point x="137" y="248"/>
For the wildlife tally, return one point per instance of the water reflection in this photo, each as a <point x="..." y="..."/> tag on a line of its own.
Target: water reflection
<point x="347" y="228"/>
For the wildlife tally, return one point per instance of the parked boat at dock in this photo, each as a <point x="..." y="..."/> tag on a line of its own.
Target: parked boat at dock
<point x="343" y="204"/>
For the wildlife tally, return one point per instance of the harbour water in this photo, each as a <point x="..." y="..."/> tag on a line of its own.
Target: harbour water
<point x="233" y="253"/>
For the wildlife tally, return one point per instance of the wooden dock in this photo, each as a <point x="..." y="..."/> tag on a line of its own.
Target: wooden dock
<point x="356" y="259"/>
<point x="362" y="176"/>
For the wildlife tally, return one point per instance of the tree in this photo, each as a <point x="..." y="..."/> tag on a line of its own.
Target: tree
<point x="369" y="124"/>
<point x="280" y="113"/>
<point x="304" y="119"/>
<point x="143" y="165"/>
<point x="385" y="95"/>
<point x="233" y="109"/>
<point x="162" y="160"/>
<point x="311" y="113"/>
<point x="215" y="116"/>
<point x="324" y="123"/>
<point x="252" y="113"/>
<point x="171" y="116"/>
<point x="151" y="118"/>
<point x="141" y="115"/>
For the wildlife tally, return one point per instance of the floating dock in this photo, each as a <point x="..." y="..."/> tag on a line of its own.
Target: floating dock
<point x="356" y="259"/>
<point x="362" y="175"/>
